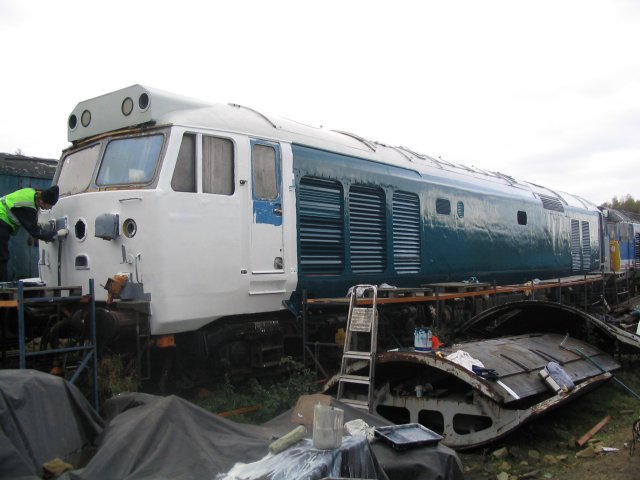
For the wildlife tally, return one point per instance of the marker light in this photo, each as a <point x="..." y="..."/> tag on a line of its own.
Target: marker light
<point x="127" y="106"/>
<point x="85" y="118"/>
<point x="143" y="101"/>
<point x="73" y="122"/>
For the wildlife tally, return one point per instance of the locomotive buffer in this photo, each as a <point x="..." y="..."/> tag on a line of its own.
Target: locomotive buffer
<point x="362" y="332"/>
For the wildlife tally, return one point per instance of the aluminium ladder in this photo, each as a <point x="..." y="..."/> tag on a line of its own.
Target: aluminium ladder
<point x="362" y="328"/>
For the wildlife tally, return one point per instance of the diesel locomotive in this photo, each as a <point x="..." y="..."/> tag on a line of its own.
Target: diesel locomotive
<point x="208" y="223"/>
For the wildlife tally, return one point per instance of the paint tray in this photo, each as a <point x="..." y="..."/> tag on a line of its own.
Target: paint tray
<point x="410" y="435"/>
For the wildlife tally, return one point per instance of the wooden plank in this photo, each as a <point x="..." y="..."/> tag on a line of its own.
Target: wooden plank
<point x="241" y="411"/>
<point x="585" y="438"/>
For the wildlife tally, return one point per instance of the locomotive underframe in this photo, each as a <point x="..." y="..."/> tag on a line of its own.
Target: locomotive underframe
<point x="254" y="345"/>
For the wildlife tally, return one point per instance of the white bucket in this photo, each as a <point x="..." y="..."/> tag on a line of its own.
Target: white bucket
<point x="327" y="427"/>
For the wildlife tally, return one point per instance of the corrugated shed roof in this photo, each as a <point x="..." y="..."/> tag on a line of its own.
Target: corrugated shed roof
<point x="21" y="165"/>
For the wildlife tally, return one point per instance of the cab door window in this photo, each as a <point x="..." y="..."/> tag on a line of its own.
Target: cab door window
<point x="265" y="174"/>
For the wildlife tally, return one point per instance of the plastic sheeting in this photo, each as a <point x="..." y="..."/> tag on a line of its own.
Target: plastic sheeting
<point x="352" y="460"/>
<point x="42" y="417"/>
<point x="149" y="437"/>
<point x="436" y="462"/>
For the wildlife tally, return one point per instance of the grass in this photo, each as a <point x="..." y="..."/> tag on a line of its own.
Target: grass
<point x="274" y="395"/>
<point x="117" y="374"/>
<point x="611" y="399"/>
<point x="556" y="432"/>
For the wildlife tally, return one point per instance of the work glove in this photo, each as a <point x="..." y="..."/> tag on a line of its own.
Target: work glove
<point x="487" y="373"/>
<point x="63" y="232"/>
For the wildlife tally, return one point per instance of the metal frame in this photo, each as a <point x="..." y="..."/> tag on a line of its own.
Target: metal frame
<point x="90" y="353"/>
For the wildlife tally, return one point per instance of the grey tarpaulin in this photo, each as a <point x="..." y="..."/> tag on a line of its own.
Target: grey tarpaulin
<point x="150" y="437"/>
<point x="42" y="417"/>
<point x="168" y="437"/>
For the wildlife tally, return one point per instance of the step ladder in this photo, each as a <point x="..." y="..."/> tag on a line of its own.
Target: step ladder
<point x="362" y="328"/>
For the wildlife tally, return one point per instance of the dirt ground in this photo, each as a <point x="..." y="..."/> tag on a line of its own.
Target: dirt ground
<point x="519" y="465"/>
<point x="546" y="448"/>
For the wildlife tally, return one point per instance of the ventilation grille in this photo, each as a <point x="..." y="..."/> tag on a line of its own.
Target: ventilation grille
<point x="586" y="246"/>
<point x="575" y="245"/>
<point x="636" y="250"/>
<point x="551" y="203"/>
<point x="321" y="226"/>
<point x="367" y="230"/>
<point x="406" y="232"/>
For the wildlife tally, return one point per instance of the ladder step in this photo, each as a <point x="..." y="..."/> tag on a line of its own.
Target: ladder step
<point x="355" y="379"/>
<point x="355" y="403"/>
<point x="358" y="355"/>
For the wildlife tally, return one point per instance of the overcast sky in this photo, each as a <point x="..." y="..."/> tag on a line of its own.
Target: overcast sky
<point x="545" y="91"/>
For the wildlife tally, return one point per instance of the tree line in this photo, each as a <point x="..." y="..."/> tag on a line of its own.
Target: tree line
<point x="626" y="204"/>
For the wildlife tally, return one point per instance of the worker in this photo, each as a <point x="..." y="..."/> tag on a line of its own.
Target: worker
<point x="21" y="208"/>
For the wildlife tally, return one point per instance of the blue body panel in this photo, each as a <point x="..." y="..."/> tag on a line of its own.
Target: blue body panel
<point x="627" y="234"/>
<point x="478" y="235"/>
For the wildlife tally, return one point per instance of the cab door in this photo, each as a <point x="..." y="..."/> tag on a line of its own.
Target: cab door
<point x="266" y="228"/>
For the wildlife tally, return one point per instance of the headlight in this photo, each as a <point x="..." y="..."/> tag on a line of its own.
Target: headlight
<point x="129" y="228"/>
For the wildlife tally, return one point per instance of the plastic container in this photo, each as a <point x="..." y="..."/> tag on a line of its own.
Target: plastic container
<point x="420" y="339"/>
<point x="410" y="435"/>
<point x="327" y="427"/>
<point x="556" y="378"/>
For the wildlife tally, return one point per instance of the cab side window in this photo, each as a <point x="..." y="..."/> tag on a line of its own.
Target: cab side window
<point x="184" y="175"/>
<point x="217" y="166"/>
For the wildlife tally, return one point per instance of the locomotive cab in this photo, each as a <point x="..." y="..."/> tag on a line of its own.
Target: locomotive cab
<point x="188" y="221"/>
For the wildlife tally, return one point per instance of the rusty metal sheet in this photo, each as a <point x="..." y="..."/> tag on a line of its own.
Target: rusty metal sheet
<point x="544" y="316"/>
<point x="469" y="410"/>
<point x="519" y="359"/>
